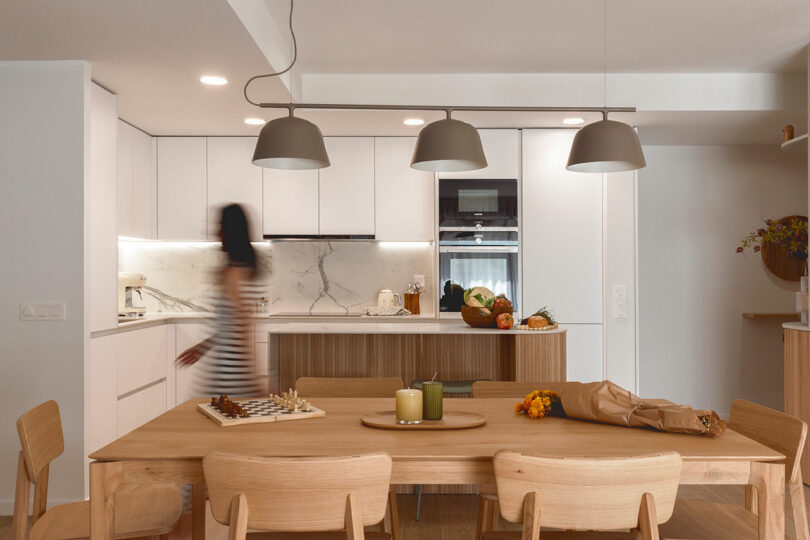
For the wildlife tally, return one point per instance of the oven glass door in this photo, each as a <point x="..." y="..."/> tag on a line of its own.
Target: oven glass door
<point x="461" y="268"/>
<point x="491" y="203"/>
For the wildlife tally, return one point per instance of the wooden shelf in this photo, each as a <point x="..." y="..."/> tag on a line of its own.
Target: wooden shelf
<point x="796" y="145"/>
<point x="773" y="316"/>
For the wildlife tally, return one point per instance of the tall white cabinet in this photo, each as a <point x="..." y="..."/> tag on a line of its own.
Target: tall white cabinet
<point x="404" y="198"/>
<point x="562" y="243"/>
<point x="232" y="177"/>
<point x="182" y="191"/>
<point x="137" y="182"/>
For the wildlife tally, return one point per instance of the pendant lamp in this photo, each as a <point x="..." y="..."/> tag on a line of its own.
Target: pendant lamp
<point x="448" y="145"/>
<point x="290" y="143"/>
<point x="606" y="146"/>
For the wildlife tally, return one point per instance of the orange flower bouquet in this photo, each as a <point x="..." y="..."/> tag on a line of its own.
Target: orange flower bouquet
<point x="540" y="403"/>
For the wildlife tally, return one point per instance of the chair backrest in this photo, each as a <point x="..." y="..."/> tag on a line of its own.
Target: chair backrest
<point x="298" y="494"/>
<point x="40" y="431"/>
<point x="586" y="493"/>
<point x="776" y="430"/>
<point x="326" y="387"/>
<point x="510" y="389"/>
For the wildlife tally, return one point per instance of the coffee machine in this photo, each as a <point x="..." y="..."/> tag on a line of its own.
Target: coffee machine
<point x="130" y="297"/>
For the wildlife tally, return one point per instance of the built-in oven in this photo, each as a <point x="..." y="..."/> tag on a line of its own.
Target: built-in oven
<point x="478" y="239"/>
<point x="482" y="203"/>
<point x="464" y="267"/>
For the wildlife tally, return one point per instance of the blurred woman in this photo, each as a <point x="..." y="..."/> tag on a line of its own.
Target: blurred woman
<point x="228" y="364"/>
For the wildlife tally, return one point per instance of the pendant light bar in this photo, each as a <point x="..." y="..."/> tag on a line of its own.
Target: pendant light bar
<point x="445" y="108"/>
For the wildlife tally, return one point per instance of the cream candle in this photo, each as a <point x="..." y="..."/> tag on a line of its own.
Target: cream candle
<point x="409" y="406"/>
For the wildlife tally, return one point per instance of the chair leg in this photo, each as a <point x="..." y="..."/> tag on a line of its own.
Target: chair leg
<point x="483" y="519"/>
<point x="531" y="516"/>
<point x="418" y="494"/>
<point x="21" y="501"/>
<point x="354" y="518"/>
<point x="647" y="518"/>
<point x="751" y="499"/>
<point x="390" y="523"/>
<point x="494" y="516"/>
<point x="799" y="509"/>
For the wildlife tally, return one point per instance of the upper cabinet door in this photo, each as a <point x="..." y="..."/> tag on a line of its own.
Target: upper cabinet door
<point x="502" y="150"/>
<point x="125" y="179"/>
<point x="403" y="196"/>
<point x="233" y="178"/>
<point x="347" y="186"/>
<point x="144" y="185"/>
<point x="181" y="166"/>
<point x="290" y="202"/>
<point x="561" y="230"/>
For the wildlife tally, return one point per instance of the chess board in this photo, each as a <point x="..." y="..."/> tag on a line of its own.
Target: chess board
<point x="260" y="411"/>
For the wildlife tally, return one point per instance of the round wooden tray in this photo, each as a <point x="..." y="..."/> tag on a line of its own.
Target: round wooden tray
<point x="450" y="420"/>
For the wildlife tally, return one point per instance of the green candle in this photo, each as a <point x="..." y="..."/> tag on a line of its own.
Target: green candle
<point x="432" y="395"/>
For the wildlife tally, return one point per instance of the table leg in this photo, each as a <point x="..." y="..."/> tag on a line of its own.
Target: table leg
<point x="769" y="480"/>
<point x="198" y="511"/>
<point x="104" y="479"/>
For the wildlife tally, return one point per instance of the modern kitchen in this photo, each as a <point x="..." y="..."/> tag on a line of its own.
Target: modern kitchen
<point x="424" y="194"/>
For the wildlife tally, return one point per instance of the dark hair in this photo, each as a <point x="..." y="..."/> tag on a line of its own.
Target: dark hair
<point x="236" y="238"/>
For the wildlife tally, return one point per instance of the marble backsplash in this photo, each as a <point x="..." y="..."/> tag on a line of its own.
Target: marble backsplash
<point x="315" y="278"/>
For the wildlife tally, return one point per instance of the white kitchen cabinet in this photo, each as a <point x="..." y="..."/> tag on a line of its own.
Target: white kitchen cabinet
<point x="290" y="202"/>
<point x="346" y="187"/>
<point x="124" y="178"/>
<point x="233" y="178"/>
<point x="181" y="170"/>
<point x="144" y="185"/>
<point x="101" y="208"/>
<point x="502" y="150"/>
<point x="141" y="358"/>
<point x="100" y="395"/>
<point x="139" y="408"/>
<point x="561" y="230"/>
<point x="187" y="335"/>
<point x="584" y="352"/>
<point x="403" y="197"/>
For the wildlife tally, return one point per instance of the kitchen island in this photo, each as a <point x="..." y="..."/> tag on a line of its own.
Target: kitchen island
<point x="412" y="350"/>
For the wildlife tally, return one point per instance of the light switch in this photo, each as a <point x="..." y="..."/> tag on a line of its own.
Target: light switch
<point x="619" y="302"/>
<point x="42" y="311"/>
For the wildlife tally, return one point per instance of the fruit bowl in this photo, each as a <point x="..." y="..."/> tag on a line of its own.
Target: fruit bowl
<point x="475" y="318"/>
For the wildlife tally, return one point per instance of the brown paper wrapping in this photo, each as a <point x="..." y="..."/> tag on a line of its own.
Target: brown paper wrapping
<point x="609" y="403"/>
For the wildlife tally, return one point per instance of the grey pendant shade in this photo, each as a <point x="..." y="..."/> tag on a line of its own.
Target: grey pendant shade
<point x="448" y="145"/>
<point x="606" y="146"/>
<point x="290" y="143"/>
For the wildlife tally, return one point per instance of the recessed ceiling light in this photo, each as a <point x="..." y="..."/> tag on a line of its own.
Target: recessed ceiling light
<point x="213" y="80"/>
<point x="254" y="121"/>
<point x="573" y="121"/>
<point x="413" y="122"/>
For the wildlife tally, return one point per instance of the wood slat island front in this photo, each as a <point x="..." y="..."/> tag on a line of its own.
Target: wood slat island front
<point x="413" y="350"/>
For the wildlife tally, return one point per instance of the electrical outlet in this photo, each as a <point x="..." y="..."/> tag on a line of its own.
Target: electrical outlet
<point x="419" y="279"/>
<point x="619" y="302"/>
<point x="42" y="311"/>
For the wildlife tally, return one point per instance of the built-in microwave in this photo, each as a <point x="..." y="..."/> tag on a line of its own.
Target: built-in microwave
<point x="477" y="203"/>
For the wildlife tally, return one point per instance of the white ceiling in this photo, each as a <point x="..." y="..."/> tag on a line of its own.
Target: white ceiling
<point x="551" y="36"/>
<point x="151" y="53"/>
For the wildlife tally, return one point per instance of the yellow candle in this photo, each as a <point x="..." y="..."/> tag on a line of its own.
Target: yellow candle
<point x="409" y="406"/>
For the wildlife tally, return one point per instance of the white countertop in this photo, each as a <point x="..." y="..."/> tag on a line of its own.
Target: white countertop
<point x="360" y="327"/>
<point x="796" y="326"/>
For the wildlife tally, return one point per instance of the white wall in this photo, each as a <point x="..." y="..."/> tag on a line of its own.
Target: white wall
<point x="44" y="134"/>
<point x="695" y="204"/>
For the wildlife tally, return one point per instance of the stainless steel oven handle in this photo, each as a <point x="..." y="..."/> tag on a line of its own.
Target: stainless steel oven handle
<point x="478" y="229"/>
<point x="478" y="249"/>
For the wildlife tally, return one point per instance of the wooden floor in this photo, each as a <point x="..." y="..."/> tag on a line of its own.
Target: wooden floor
<point x="452" y="517"/>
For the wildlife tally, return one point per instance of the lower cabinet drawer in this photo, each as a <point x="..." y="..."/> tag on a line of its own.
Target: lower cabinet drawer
<point x="141" y="358"/>
<point x="137" y="409"/>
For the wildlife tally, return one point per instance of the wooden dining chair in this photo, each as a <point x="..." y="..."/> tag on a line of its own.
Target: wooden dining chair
<point x="140" y="511"/>
<point x="785" y="434"/>
<point x="296" y="495"/>
<point x="368" y="387"/>
<point x="360" y="387"/>
<point x="585" y="494"/>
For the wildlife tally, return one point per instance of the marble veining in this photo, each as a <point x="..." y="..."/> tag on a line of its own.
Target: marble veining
<point x="312" y="278"/>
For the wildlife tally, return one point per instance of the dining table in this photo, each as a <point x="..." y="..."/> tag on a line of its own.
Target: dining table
<point x="170" y="448"/>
